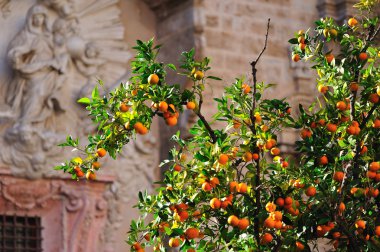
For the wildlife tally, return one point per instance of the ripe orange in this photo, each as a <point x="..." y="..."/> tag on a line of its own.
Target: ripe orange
<point x="301" y="39"/>
<point x="177" y="168"/>
<point x="223" y="159"/>
<point x="246" y="88"/>
<point x="183" y="215"/>
<point x="363" y="56"/>
<point x="136" y="246"/>
<point x="352" y="22"/>
<point x="225" y="204"/>
<point x="190" y="105"/>
<point x="266" y="238"/>
<point x="311" y="191"/>
<point x="237" y="124"/>
<point x="336" y="235"/>
<point x="243" y="224"/>
<point x="296" y="57"/>
<point x="363" y="150"/>
<point x="206" y="187"/>
<point x="305" y="133"/>
<point x="242" y="188"/>
<point x="247" y="156"/>
<point x="371" y="174"/>
<point x="269" y="222"/>
<point x="277" y="215"/>
<point x="373" y="192"/>
<point x="95" y="165"/>
<point x="191" y="233"/>
<point x="124" y="107"/>
<point x="153" y="79"/>
<point x="163" y="106"/>
<point x="171" y="121"/>
<point x="147" y="237"/>
<point x="342" y="207"/>
<point x="280" y="202"/>
<point x="214" y="181"/>
<point x="198" y="75"/>
<point x="377" y="230"/>
<point x="331" y="127"/>
<point x="302" y="46"/>
<point x="284" y="164"/>
<point x="275" y="151"/>
<point x="374" y="166"/>
<point x="338" y="176"/>
<point x="140" y="128"/>
<point x="329" y="57"/>
<point x="190" y="250"/>
<point x="354" y="86"/>
<point x="255" y="156"/>
<point x="101" y="152"/>
<point x="234" y="186"/>
<point x="323" y="160"/>
<point x="215" y="203"/>
<point x="376" y="123"/>
<point x="233" y="221"/>
<point x="300" y="246"/>
<point x="288" y="200"/>
<point x="90" y="175"/>
<point x="344" y="118"/>
<point x="341" y="105"/>
<point x="174" y="242"/>
<point x="79" y="173"/>
<point x="270" y="207"/>
<point x="360" y="224"/>
<point x="197" y="214"/>
<point x="323" y="89"/>
<point x="374" y="98"/>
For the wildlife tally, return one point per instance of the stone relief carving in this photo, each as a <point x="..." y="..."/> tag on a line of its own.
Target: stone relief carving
<point x="60" y="51"/>
<point x="5" y="7"/>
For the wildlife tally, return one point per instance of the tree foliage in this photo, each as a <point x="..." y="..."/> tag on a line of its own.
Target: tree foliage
<point x="230" y="188"/>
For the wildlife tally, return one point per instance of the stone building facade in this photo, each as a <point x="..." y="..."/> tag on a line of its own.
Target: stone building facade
<point x="53" y="51"/>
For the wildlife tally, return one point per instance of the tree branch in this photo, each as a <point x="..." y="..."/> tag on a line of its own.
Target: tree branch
<point x="203" y="119"/>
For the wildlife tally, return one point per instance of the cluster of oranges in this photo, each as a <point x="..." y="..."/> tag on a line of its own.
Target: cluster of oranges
<point x="372" y="173"/>
<point x="234" y="221"/>
<point x="95" y="165"/>
<point x="274" y="219"/>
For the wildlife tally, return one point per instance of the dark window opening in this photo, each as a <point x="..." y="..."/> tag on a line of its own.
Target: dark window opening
<point x="20" y="234"/>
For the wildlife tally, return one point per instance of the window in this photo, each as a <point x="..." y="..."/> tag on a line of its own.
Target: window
<point x="20" y="234"/>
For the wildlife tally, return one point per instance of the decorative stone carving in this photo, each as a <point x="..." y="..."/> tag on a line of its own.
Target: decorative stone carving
<point x="5" y="7"/>
<point x="61" y="50"/>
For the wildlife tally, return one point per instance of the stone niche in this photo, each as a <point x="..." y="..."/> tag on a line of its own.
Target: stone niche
<point x="73" y="215"/>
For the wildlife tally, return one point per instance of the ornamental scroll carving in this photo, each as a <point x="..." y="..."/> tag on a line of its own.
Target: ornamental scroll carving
<point x="56" y="57"/>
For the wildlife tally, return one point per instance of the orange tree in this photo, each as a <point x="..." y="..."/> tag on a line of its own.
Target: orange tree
<point x="230" y="189"/>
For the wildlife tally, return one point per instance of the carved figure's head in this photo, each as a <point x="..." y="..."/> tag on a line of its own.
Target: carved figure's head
<point x="37" y="18"/>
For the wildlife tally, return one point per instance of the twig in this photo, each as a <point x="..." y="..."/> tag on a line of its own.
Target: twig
<point x="253" y="129"/>
<point x="203" y="119"/>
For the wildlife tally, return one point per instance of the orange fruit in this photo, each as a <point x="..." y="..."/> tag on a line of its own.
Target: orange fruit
<point x="336" y="235"/>
<point x="275" y="151"/>
<point x="280" y="202"/>
<point x="214" y="181"/>
<point x="171" y="121"/>
<point x="233" y="221"/>
<point x="277" y="215"/>
<point x="266" y="238"/>
<point x="323" y="160"/>
<point x="246" y="88"/>
<point x="162" y="226"/>
<point x="153" y="79"/>
<point x="302" y="46"/>
<point x="183" y="215"/>
<point x="341" y="105"/>
<point x="79" y="173"/>
<point x="140" y="128"/>
<point x="354" y="87"/>
<point x="296" y="57"/>
<point x="329" y="57"/>
<point x="255" y="156"/>
<point x="190" y="105"/>
<point x="242" y="188"/>
<point x="360" y="224"/>
<point x="223" y="159"/>
<point x="301" y="39"/>
<point x="344" y="118"/>
<point x="174" y="242"/>
<point x="101" y="152"/>
<point x="338" y="176"/>
<point x="198" y="75"/>
<point x="374" y="166"/>
<point x="288" y="200"/>
<point x="363" y="56"/>
<point x="190" y="250"/>
<point x="96" y="165"/>
<point x="225" y="204"/>
<point x="352" y="22"/>
<point x="377" y="230"/>
<point x="269" y="222"/>
<point x="234" y="186"/>
<point x="215" y="203"/>
<point x="376" y="123"/>
<point x="284" y="164"/>
<point x="177" y="168"/>
<point x="331" y="127"/>
<point x="374" y="98"/>
<point x="163" y="106"/>
<point x="373" y="192"/>
<point x="136" y="246"/>
<point x="237" y="124"/>
<point x="191" y="233"/>
<point x="147" y="237"/>
<point x="305" y="133"/>
<point x="311" y="191"/>
<point x="206" y="187"/>
<point x="243" y="224"/>
<point x="90" y="175"/>
<point x="371" y="174"/>
<point x="323" y="89"/>
<point x="123" y="107"/>
<point x="247" y="156"/>
<point x="270" y="207"/>
<point x="300" y="246"/>
<point x="377" y="178"/>
<point x="230" y="197"/>
<point x="197" y="214"/>
<point x="363" y="150"/>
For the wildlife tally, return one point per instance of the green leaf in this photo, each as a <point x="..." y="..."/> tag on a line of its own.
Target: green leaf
<point x="84" y="100"/>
